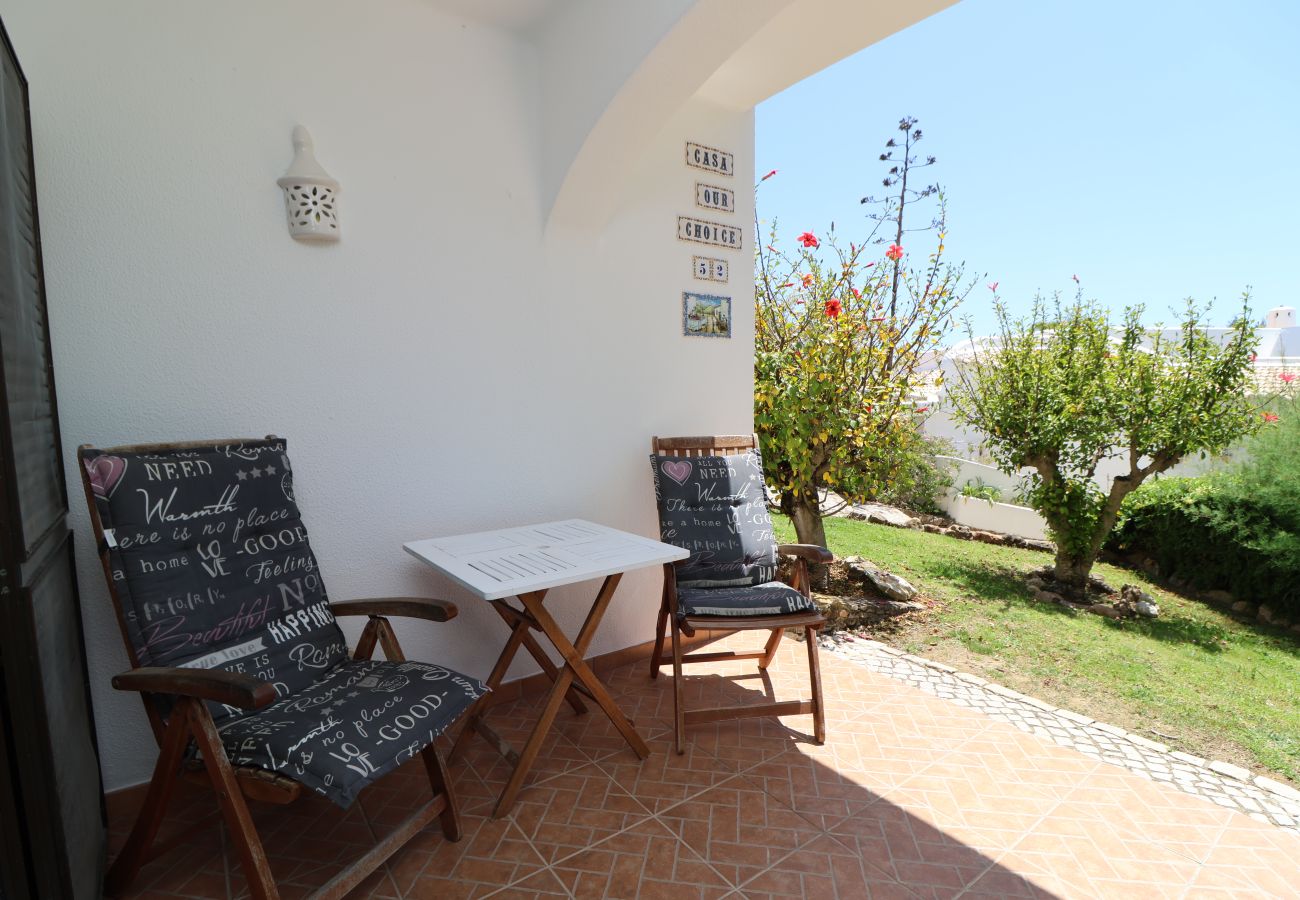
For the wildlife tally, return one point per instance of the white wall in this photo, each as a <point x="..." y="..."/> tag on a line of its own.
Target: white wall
<point x="451" y="365"/>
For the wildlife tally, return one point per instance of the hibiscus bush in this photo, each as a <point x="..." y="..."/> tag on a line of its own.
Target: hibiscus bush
<point x="842" y="339"/>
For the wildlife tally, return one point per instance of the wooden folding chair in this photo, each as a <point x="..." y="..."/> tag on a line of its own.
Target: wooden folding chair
<point x="266" y="702"/>
<point x="809" y="620"/>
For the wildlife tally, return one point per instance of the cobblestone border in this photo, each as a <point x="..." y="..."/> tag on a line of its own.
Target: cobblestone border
<point x="1223" y="783"/>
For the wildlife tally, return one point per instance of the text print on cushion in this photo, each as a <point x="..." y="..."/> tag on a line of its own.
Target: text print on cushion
<point x="714" y="506"/>
<point x="210" y="557"/>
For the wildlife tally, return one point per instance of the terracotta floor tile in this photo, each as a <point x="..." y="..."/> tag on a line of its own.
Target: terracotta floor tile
<point x="645" y="861"/>
<point x="1077" y="850"/>
<point x="514" y="722"/>
<point x="743" y="743"/>
<point x="739" y="828"/>
<point x="650" y="709"/>
<point x="981" y="801"/>
<point x="821" y="792"/>
<point x="1150" y="811"/>
<point x="665" y="779"/>
<point x="913" y="852"/>
<point x="909" y="796"/>
<point x="825" y="867"/>
<point x="491" y="854"/>
<point x="570" y="812"/>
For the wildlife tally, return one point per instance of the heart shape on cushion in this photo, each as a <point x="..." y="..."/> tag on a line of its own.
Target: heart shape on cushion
<point x="105" y="472"/>
<point x="677" y="469"/>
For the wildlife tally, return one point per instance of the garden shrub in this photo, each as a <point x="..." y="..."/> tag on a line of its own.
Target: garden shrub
<point x="979" y="489"/>
<point x="1237" y="530"/>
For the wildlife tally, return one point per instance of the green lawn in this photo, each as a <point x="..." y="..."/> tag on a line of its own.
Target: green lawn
<point x="1194" y="678"/>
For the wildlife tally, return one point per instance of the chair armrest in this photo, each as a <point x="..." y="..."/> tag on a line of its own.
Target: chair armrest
<point x="411" y="607"/>
<point x="217" y="685"/>
<point x="810" y="552"/>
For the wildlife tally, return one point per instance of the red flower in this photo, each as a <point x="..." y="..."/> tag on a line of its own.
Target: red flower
<point x="833" y="308"/>
<point x="895" y="252"/>
<point x="1270" y="417"/>
<point x="786" y="285"/>
<point x="922" y="409"/>
<point x="768" y="175"/>
<point x="1287" y="377"/>
<point x="807" y="281"/>
<point x="808" y="239"/>
<point x="856" y="294"/>
<point x="771" y="248"/>
<point x="993" y="286"/>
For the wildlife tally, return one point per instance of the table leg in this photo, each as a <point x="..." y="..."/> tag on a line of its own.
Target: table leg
<point x="574" y="662"/>
<point x="517" y="635"/>
<point x="538" y="653"/>
<point x="574" y="668"/>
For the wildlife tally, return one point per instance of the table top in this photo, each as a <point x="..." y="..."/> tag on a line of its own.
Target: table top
<point x="512" y="561"/>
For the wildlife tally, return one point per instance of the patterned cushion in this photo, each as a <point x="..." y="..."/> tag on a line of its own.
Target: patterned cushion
<point x="714" y="506"/>
<point x="363" y="719"/>
<point x="212" y="564"/>
<point x="773" y="598"/>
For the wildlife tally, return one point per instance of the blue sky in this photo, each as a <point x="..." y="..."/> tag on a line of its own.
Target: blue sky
<point x="1151" y="148"/>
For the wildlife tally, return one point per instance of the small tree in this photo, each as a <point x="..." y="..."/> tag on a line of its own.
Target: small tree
<point x="839" y="349"/>
<point x="1060" y="393"/>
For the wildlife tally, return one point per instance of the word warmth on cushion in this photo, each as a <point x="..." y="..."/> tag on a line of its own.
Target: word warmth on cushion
<point x="211" y="562"/>
<point x="714" y="507"/>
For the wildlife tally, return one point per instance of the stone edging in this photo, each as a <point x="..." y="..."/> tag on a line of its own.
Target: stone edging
<point x="1228" y="785"/>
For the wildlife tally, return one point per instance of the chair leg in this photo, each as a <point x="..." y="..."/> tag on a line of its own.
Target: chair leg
<point x="657" y="656"/>
<point x="679" y="714"/>
<point x="815" y="676"/>
<point x="134" y="853"/>
<point x="252" y="857"/>
<point x="769" y="651"/>
<point x="440" y="781"/>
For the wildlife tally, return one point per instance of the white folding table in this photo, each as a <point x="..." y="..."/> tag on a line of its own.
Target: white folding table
<point x="526" y="562"/>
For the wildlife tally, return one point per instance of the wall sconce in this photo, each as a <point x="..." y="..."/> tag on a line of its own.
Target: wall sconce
<point x="310" y="194"/>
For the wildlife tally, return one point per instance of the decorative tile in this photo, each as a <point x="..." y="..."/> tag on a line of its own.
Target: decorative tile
<point x="738" y="828"/>
<point x="825" y="867"/>
<point x="1079" y="850"/>
<point x="514" y="722"/>
<point x="491" y="854"/>
<point x="568" y="813"/>
<point x="911" y="795"/>
<point x="666" y="779"/>
<point x="1147" y="811"/>
<point x="822" y="793"/>
<point x="645" y="861"/>
<point x="912" y="851"/>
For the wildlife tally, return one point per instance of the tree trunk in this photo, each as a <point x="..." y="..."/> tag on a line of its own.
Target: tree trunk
<point x="1071" y="571"/>
<point x="808" y="528"/>
<point x="807" y="517"/>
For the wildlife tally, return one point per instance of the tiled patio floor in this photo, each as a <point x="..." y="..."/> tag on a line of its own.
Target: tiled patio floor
<point x="911" y="796"/>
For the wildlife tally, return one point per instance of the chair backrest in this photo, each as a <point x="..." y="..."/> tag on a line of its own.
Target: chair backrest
<point x="208" y="561"/>
<point x="704" y="445"/>
<point x="711" y="502"/>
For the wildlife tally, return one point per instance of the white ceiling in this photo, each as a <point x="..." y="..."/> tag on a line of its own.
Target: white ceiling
<point x="520" y="15"/>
